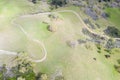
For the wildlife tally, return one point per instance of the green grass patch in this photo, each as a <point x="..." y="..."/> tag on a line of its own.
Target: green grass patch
<point x="114" y="16"/>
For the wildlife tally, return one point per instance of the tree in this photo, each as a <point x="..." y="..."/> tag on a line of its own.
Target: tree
<point x="57" y="2"/>
<point x="59" y="77"/>
<point x="41" y="76"/>
<point x="2" y="72"/>
<point x="34" y="1"/>
<point x="22" y="70"/>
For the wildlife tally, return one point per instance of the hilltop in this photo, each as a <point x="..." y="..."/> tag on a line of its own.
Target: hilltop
<point x="59" y="40"/>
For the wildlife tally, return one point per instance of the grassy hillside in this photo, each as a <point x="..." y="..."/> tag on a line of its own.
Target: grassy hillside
<point x="75" y="63"/>
<point x="80" y="62"/>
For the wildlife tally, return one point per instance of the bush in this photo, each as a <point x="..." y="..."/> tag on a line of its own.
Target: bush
<point x="99" y="51"/>
<point x="118" y="61"/>
<point x="98" y="46"/>
<point x="112" y="31"/>
<point x="57" y="2"/>
<point x="105" y="15"/>
<point x="108" y="51"/>
<point x="117" y="68"/>
<point x="34" y="1"/>
<point x="107" y="56"/>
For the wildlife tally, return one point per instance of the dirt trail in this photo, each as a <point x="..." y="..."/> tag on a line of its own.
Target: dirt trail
<point x="41" y="44"/>
<point x="7" y="52"/>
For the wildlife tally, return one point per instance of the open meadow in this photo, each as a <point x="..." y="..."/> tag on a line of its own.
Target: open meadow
<point x="76" y="61"/>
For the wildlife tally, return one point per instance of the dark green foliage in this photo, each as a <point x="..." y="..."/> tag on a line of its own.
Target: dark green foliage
<point x="57" y="2"/>
<point x="112" y="31"/>
<point x="118" y="61"/>
<point x="99" y="51"/>
<point x="94" y="59"/>
<point x="107" y="56"/>
<point x="1" y="75"/>
<point x="41" y="76"/>
<point x="22" y="70"/>
<point x="27" y="73"/>
<point x="117" y="68"/>
<point x="108" y="51"/>
<point x="110" y="44"/>
<point x="13" y="78"/>
<point x="104" y="0"/>
<point x="59" y="78"/>
<point x="99" y="48"/>
<point x="30" y="75"/>
<point x="34" y="1"/>
<point x="38" y="76"/>
<point x="2" y="72"/>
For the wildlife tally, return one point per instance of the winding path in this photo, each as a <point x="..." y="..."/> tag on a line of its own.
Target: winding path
<point x="41" y="45"/>
<point x="7" y="52"/>
<point x="84" y="25"/>
<point x="78" y="16"/>
<point x="44" y="51"/>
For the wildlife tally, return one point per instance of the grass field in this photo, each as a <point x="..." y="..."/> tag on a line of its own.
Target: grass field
<point x="76" y="63"/>
<point x="114" y="16"/>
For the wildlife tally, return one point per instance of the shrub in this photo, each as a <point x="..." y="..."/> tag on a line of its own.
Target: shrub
<point x="118" y="61"/>
<point x="112" y="31"/>
<point x="117" y="68"/>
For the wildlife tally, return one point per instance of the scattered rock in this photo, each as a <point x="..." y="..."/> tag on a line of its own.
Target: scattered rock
<point x="58" y="75"/>
<point x="72" y="44"/>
